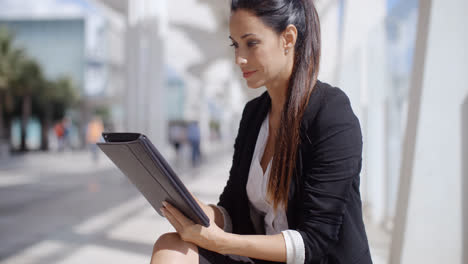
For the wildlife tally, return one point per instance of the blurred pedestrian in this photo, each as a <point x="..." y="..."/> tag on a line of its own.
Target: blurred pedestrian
<point x="176" y="137"/>
<point x="193" y="136"/>
<point x="93" y="135"/>
<point x="59" y="132"/>
<point x="66" y="124"/>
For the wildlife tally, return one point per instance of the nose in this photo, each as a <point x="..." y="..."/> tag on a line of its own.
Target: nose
<point x="240" y="60"/>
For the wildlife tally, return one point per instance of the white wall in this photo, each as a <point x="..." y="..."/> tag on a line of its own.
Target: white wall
<point x="330" y="42"/>
<point x="431" y="228"/>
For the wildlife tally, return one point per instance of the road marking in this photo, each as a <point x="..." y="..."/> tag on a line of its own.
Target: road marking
<point x="36" y="252"/>
<point x="103" y="220"/>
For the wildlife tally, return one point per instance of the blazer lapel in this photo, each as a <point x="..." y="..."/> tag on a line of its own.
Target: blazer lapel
<point x="256" y="117"/>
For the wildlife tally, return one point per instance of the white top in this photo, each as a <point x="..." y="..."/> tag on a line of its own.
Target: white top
<point x="257" y="186"/>
<point x="256" y="192"/>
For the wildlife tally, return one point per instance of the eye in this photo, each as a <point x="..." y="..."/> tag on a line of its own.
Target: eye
<point x="234" y="45"/>
<point x="252" y="43"/>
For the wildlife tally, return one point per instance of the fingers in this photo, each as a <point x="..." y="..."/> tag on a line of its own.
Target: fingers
<point x="200" y="203"/>
<point x="196" y="200"/>
<point x="181" y="218"/>
<point x="204" y="207"/>
<point x="172" y="220"/>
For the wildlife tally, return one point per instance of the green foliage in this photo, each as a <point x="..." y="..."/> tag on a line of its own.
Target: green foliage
<point x="22" y="76"/>
<point x="57" y="96"/>
<point x="103" y="112"/>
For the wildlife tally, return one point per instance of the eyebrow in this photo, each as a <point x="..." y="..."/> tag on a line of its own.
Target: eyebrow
<point x="243" y="36"/>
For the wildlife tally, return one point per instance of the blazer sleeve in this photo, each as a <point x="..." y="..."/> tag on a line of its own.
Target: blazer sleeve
<point x="332" y="160"/>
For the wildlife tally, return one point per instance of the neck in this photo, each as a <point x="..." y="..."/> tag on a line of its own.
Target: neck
<point x="278" y="97"/>
<point x="278" y="87"/>
<point x="277" y="90"/>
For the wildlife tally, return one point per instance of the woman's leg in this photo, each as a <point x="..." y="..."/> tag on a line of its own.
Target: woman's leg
<point x="169" y="248"/>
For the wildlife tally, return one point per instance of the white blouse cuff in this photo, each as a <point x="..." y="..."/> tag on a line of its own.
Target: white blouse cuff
<point x="295" y="249"/>
<point x="226" y="218"/>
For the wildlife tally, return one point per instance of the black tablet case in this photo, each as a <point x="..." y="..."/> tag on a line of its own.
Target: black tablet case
<point x="145" y="167"/>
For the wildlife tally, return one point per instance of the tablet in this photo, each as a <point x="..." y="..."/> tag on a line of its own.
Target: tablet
<point x="145" y="167"/>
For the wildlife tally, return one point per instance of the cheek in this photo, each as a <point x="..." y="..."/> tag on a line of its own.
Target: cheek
<point x="270" y="62"/>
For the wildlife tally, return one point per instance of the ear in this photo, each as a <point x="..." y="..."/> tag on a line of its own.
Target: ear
<point x="289" y="37"/>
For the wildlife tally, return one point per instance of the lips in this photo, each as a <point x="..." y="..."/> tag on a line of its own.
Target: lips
<point x="247" y="74"/>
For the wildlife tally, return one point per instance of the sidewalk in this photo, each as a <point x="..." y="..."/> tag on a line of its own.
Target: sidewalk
<point x="31" y="167"/>
<point x="124" y="233"/>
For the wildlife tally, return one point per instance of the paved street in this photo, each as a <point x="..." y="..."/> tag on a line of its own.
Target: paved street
<point x="63" y="208"/>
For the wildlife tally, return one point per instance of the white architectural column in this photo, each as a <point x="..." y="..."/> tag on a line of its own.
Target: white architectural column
<point x="429" y="222"/>
<point x="464" y="185"/>
<point x="376" y="129"/>
<point x="146" y="86"/>
<point x="366" y="92"/>
<point x="331" y="41"/>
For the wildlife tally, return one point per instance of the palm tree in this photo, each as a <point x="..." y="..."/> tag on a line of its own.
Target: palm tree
<point x="28" y="79"/>
<point x="5" y="73"/>
<point x="10" y="63"/>
<point x="45" y="99"/>
<point x="23" y="83"/>
<point x="52" y="99"/>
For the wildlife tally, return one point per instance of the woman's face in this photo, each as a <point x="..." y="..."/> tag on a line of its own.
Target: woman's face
<point x="259" y="50"/>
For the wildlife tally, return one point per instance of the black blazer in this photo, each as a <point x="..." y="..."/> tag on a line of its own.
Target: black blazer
<point x="324" y="203"/>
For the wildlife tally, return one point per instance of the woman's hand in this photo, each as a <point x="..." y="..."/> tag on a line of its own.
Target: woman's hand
<point x="211" y="211"/>
<point x="204" y="207"/>
<point x="205" y="237"/>
<point x="213" y="238"/>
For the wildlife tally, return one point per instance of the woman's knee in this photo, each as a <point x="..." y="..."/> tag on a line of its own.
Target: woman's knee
<point x="172" y="241"/>
<point x="166" y="241"/>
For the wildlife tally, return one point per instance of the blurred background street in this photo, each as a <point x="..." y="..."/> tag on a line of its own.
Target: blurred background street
<point x="72" y="69"/>
<point x="68" y="214"/>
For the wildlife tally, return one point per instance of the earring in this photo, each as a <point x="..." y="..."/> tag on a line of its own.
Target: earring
<point x="286" y="51"/>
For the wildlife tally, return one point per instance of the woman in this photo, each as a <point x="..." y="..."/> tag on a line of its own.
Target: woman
<point x="293" y="193"/>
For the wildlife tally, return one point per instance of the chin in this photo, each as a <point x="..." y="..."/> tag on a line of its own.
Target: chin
<point x="255" y="84"/>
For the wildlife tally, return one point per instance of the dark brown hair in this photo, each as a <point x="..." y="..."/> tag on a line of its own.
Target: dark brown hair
<point x="278" y="14"/>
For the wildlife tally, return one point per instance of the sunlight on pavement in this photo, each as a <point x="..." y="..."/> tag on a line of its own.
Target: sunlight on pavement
<point x="102" y="221"/>
<point x="35" y="252"/>
<point x="99" y="254"/>
<point x="143" y="228"/>
<point x="7" y="180"/>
